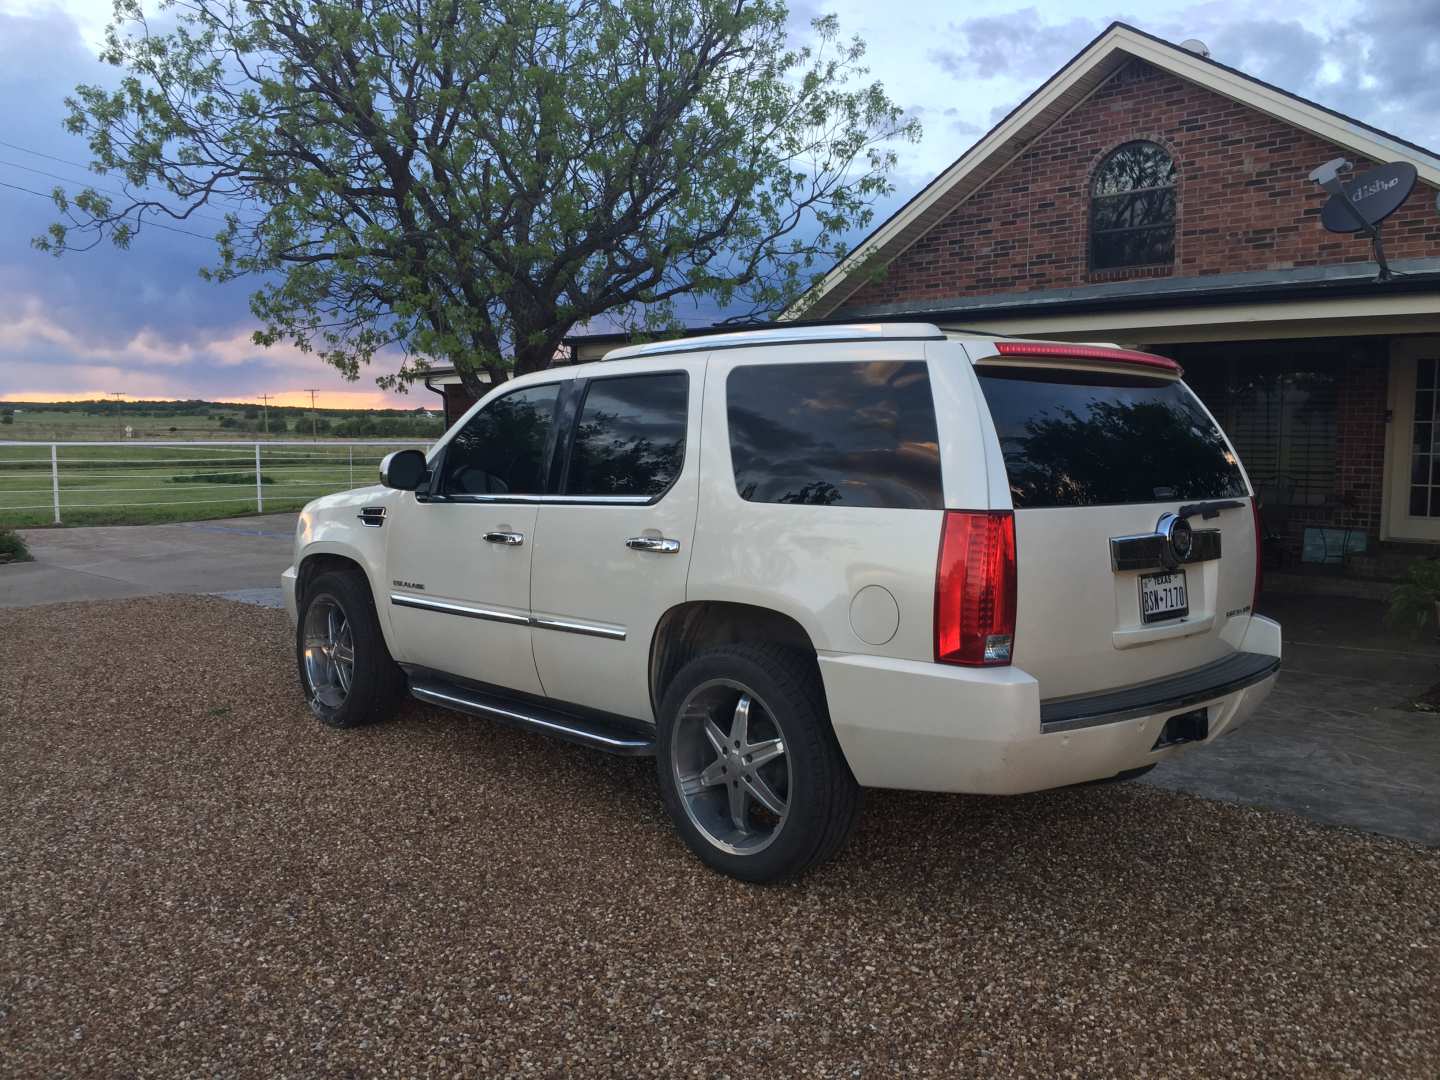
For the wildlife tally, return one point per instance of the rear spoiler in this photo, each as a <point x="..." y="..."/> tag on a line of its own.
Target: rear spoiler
<point x="1095" y="354"/>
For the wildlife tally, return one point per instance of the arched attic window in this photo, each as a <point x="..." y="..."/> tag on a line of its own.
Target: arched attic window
<point x="1132" y="208"/>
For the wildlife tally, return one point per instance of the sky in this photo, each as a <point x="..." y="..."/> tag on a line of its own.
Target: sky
<point x="142" y="322"/>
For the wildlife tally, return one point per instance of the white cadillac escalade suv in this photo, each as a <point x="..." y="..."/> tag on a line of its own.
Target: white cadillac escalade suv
<point x="795" y="563"/>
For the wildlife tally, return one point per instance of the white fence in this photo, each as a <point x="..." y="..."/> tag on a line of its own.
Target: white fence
<point x="130" y="481"/>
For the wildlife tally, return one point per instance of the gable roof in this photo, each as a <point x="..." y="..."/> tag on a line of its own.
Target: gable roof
<point x="1065" y="90"/>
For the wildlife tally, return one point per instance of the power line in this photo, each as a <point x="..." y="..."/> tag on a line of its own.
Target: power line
<point x="37" y="153"/>
<point x="148" y="223"/>
<point x="66" y="161"/>
<point x="97" y="187"/>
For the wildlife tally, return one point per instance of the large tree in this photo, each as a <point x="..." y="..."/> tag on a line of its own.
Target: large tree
<point x="466" y="180"/>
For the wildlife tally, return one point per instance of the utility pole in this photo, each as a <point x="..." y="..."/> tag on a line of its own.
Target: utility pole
<point x="265" y="414"/>
<point x="117" y="395"/>
<point x="313" y="433"/>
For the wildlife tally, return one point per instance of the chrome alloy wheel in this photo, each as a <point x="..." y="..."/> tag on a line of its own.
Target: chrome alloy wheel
<point x="729" y="763"/>
<point x="329" y="652"/>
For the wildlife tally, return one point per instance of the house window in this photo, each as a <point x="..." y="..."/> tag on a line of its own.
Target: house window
<point x="1132" y="208"/>
<point x="1425" y="441"/>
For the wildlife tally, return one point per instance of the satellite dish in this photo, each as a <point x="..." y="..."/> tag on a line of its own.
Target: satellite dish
<point x="1370" y="198"/>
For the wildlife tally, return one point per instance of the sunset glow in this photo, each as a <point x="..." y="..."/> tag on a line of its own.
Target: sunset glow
<point x="293" y="399"/>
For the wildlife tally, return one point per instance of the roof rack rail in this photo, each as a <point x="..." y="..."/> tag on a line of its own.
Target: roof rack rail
<point x="785" y="335"/>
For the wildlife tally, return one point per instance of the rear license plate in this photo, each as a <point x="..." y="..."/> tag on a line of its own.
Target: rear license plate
<point x="1163" y="596"/>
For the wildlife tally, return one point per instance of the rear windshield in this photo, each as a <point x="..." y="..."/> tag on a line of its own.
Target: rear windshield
<point x="1083" y="439"/>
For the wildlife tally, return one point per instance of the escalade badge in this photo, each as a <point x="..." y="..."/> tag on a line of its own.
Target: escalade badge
<point x="407" y="584"/>
<point x="1179" y="537"/>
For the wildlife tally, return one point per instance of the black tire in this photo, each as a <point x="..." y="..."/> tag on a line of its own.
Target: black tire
<point x="823" y="797"/>
<point x="377" y="682"/>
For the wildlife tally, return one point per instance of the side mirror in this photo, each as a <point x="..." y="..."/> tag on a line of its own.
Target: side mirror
<point x="403" y="469"/>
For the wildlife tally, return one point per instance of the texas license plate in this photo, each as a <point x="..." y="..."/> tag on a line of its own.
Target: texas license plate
<point x="1163" y="596"/>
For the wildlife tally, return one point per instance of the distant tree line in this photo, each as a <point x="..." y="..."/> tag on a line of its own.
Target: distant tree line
<point x="280" y="420"/>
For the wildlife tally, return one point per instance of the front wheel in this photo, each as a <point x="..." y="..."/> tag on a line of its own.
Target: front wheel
<point x="346" y="671"/>
<point x="748" y="765"/>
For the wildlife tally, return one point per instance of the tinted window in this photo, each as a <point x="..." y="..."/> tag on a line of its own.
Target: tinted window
<point x="631" y="436"/>
<point x="1076" y="439"/>
<point x="835" y="434"/>
<point x="501" y="450"/>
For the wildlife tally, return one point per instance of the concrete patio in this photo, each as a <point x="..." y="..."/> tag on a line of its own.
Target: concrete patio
<point x="109" y="563"/>
<point x="1336" y="740"/>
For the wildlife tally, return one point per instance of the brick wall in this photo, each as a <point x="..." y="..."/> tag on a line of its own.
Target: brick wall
<point x="457" y="401"/>
<point x="1244" y="202"/>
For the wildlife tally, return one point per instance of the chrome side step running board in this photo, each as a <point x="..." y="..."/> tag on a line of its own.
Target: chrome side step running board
<point x="595" y="733"/>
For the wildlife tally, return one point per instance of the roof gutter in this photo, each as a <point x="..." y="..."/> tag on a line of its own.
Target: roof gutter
<point x="1048" y="302"/>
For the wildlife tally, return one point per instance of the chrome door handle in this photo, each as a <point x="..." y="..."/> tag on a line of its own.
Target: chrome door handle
<point x="514" y="539"/>
<point x="659" y="544"/>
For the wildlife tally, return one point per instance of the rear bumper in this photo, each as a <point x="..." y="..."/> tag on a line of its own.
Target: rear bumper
<point x="931" y="727"/>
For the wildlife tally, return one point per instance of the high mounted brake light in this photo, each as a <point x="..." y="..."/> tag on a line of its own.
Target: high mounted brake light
<point x="975" y="588"/>
<point x="1060" y="351"/>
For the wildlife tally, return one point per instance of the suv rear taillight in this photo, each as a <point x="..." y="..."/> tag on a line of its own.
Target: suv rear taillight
<point x="1259" y="551"/>
<point x="975" y="588"/>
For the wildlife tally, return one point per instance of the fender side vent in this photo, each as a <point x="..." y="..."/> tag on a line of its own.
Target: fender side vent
<point x="374" y="516"/>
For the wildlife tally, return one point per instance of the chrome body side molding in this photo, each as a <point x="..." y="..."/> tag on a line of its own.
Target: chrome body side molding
<point x="572" y="626"/>
<point x="542" y="622"/>
<point x="468" y="611"/>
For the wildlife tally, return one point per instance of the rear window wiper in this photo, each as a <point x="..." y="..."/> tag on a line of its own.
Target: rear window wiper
<point x="1207" y="510"/>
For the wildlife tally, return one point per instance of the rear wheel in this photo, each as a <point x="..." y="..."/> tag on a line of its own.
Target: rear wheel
<point x="346" y="671"/>
<point x="748" y="765"/>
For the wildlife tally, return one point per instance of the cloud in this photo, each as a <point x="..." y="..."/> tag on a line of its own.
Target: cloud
<point x="950" y="121"/>
<point x="139" y="320"/>
<point x="142" y="319"/>
<point x="1377" y="64"/>
<point x="41" y="352"/>
<point x="1021" y="44"/>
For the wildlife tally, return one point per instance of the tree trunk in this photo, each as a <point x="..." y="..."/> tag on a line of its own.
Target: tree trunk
<point x="475" y="385"/>
<point x="536" y="357"/>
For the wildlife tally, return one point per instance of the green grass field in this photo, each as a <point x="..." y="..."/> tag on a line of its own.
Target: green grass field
<point x="136" y="485"/>
<point x="98" y="420"/>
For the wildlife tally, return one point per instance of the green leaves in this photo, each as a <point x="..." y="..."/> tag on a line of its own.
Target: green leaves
<point x="466" y="181"/>
<point x="1412" y="603"/>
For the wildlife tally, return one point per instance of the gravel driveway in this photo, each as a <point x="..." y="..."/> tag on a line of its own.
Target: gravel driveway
<point x="196" y="878"/>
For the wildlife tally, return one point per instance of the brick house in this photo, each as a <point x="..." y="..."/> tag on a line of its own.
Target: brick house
<point x="1150" y="196"/>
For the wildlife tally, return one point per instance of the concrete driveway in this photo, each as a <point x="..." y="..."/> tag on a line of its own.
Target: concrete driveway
<point x="223" y="556"/>
<point x="1336" y="741"/>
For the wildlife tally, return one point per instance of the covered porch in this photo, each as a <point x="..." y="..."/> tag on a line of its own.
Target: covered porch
<point x="1336" y="434"/>
<point x="1326" y="381"/>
